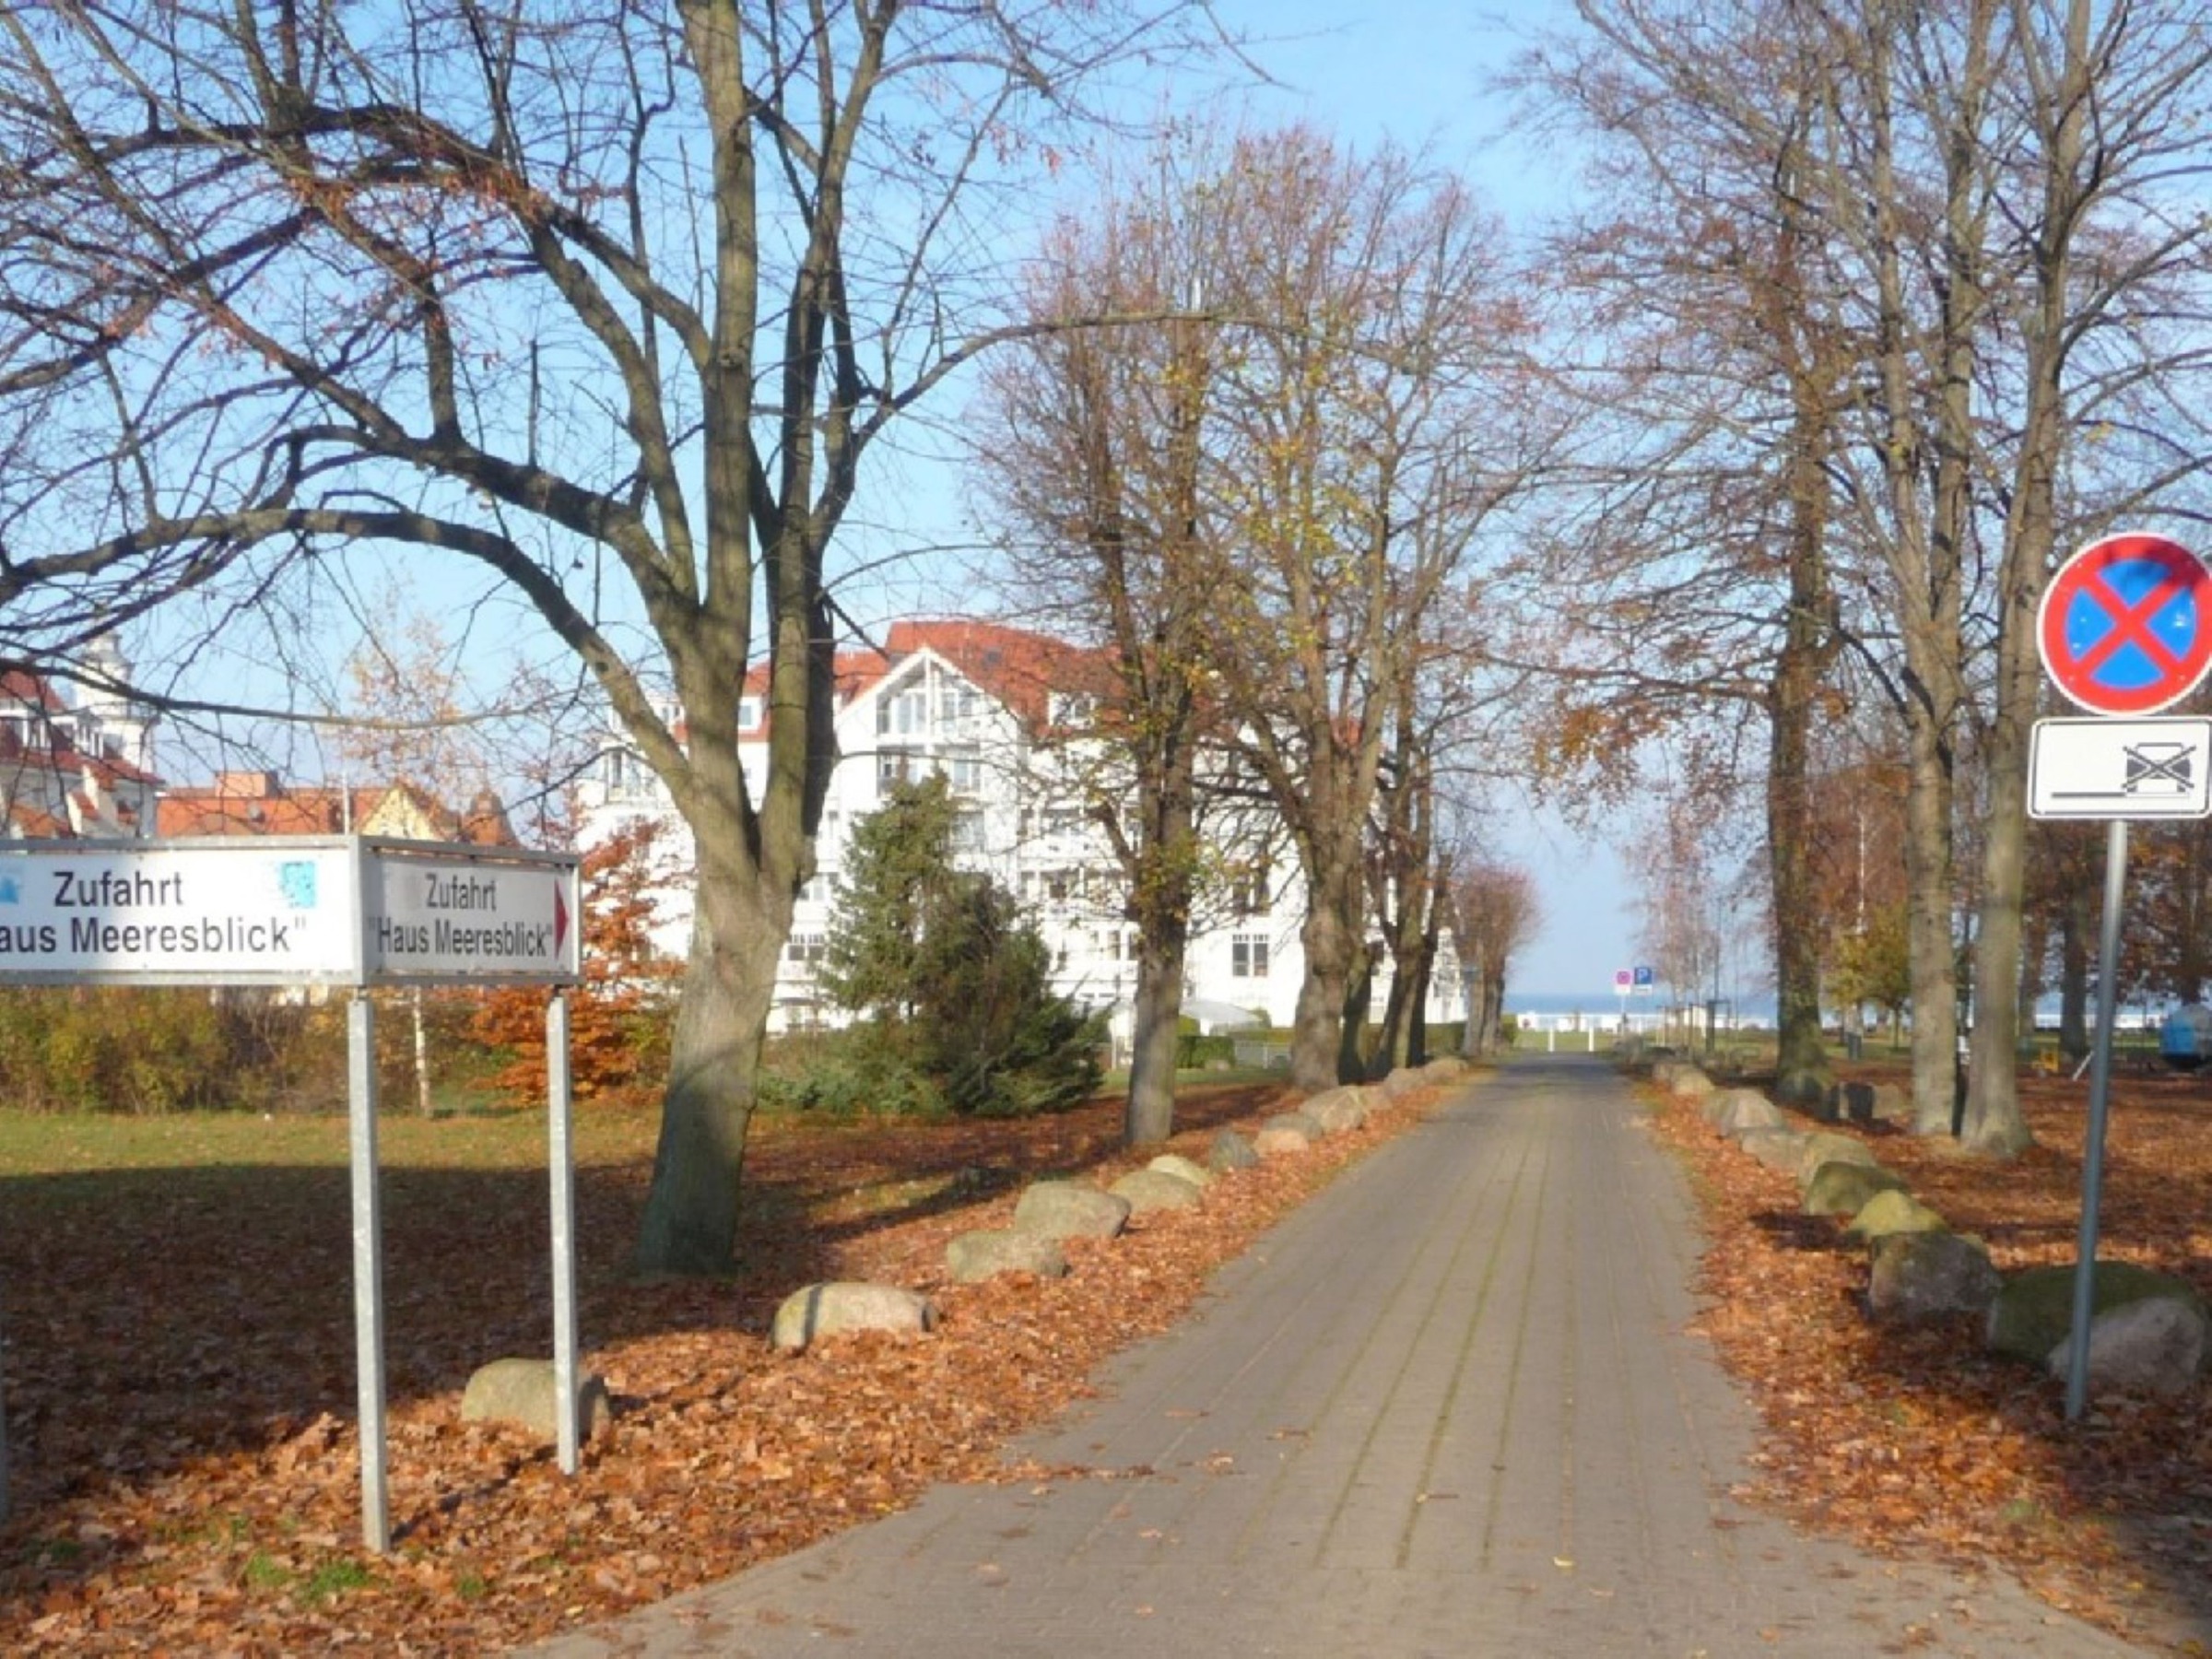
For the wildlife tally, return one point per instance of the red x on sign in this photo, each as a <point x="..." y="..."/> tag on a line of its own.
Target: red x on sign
<point x="2124" y="627"/>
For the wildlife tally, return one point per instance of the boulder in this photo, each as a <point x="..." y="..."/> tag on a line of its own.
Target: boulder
<point x="2034" y="1312"/>
<point x="1297" y="1120"/>
<point x="1718" y="1101"/>
<point x="1929" y="1275"/>
<point x="1445" y="1068"/>
<point x="1826" y="1148"/>
<point x="837" y="1307"/>
<point x="1149" y="1190"/>
<point x="1277" y="1138"/>
<point x="1337" y="1110"/>
<point x="975" y="1256"/>
<point x="1175" y="1163"/>
<point x="1777" y="1148"/>
<point x="1747" y="1109"/>
<point x="1892" y="1103"/>
<point x="1688" y="1083"/>
<point x="1230" y="1151"/>
<point x="1401" y="1082"/>
<point x="1896" y="1211"/>
<point x="2154" y="1345"/>
<point x="1663" y="1071"/>
<point x="1843" y="1188"/>
<point x="1070" y="1209"/>
<point x="521" y="1392"/>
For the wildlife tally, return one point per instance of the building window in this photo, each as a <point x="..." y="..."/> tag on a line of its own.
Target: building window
<point x="804" y="950"/>
<point x="748" y="713"/>
<point x="895" y="765"/>
<point x="960" y="701"/>
<point x="625" y="774"/>
<point x="968" y="832"/>
<point x="903" y="715"/>
<point x="1248" y="956"/>
<point x="964" y="773"/>
<point x="1063" y="820"/>
<point x="1071" y="708"/>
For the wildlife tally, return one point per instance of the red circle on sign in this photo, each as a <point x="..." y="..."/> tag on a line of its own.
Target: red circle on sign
<point x="2123" y="627"/>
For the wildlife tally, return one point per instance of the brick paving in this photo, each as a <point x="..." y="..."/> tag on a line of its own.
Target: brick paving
<point x="1449" y="1408"/>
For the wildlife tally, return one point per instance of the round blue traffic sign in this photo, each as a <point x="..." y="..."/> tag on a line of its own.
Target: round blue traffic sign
<point x="2126" y="626"/>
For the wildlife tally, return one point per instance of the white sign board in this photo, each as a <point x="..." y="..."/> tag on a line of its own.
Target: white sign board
<point x="247" y="912"/>
<point x="257" y="910"/>
<point x="432" y="916"/>
<point x="2120" y="769"/>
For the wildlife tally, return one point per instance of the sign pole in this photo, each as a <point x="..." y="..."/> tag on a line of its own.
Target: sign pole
<point x="2100" y="1080"/>
<point x="562" y="1156"/>
<point x="2" y="1424"/>
<point x="368" y="1270"/>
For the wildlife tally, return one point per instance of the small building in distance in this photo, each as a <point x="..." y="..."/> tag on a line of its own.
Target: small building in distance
<point x="81" y="769"/>
<point x="1002" y="714"/>
<point x="262" y="803"/>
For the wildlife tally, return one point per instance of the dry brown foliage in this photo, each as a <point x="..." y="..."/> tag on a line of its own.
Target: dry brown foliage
<point x="181" y="1385"/>
<point x="1915" y="1439"/>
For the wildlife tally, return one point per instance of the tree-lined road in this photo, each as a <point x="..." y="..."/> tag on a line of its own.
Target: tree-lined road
<point x="1450" y="1407"/>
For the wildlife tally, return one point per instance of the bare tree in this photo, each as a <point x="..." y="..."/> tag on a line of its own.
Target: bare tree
<point x="1094" y="440"/>
<point x="608" y="301"/>
<point x="1493" y="914"/>
<point x="1374" y="420"/>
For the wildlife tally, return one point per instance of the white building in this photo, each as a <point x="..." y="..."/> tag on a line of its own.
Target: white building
<point x="988" y="705"/>
<point x="82" y="770"/>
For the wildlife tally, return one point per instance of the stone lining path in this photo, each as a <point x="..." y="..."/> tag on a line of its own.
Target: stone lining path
<point x="1450" y="1408"/>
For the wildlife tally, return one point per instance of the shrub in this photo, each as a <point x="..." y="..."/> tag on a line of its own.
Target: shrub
<point x="855" y="1073"/>
<point x="100" y="1048"/>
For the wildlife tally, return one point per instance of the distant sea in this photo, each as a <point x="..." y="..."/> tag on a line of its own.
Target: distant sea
<point x="1607" y="1005"/>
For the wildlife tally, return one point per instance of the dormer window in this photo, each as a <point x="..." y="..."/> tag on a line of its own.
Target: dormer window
<point x="1071" y="708"/>
<point x="902" y="713"/>
<point x="748" y="713"/>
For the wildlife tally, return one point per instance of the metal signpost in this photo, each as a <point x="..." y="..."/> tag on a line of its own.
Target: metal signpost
<point x="2124" y="632"/>
<point x="333" y="910"/>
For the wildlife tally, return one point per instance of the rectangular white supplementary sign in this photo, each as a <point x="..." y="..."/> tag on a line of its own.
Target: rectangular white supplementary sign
<point x="237" y="913"/>
<point x="437" y="916"/>
<point x="2152" y="767"/>
<point x="246" y="910"/>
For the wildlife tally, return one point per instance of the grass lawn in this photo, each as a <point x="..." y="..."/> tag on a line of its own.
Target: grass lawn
<point x="176" y="1296"/>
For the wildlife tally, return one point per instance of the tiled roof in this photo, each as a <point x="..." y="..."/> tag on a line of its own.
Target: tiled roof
<point x="257" y="803"/>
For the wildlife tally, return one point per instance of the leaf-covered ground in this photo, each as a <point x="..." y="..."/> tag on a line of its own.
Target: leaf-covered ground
<point x="1915" y="1439"/>
<point x="177" y="1305"/>
<point x="180" y="1378"/>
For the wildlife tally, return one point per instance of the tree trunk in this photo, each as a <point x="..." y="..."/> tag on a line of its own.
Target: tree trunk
<point x="1477" y="983"/>
<point x="1333" y="936"/>
<point x="2075" y="923"/>
<point x="743" y="917"/>
<point x="1935" y="966"/>
<point x="422" y="1051"/>
<point x="1149" y="1116"/>
<point x="1354" y="1062"/>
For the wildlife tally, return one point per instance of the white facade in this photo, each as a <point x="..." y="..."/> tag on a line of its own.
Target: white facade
<point x="971" y="700"/>
<point x="82" y="771"/>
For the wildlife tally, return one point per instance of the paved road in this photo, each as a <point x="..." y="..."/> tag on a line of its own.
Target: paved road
<point x="1448" y="1408"/>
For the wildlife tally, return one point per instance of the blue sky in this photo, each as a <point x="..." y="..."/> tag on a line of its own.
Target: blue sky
<point x="1421" y="74"/>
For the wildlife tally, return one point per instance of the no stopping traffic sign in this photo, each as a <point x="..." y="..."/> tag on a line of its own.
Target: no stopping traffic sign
<point x="2123" y="627"/>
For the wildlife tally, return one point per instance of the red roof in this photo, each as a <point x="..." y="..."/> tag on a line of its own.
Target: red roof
<point x="248" y="803"/>
<point x="24" y="686"/>
<point x="1018" y="667"/>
